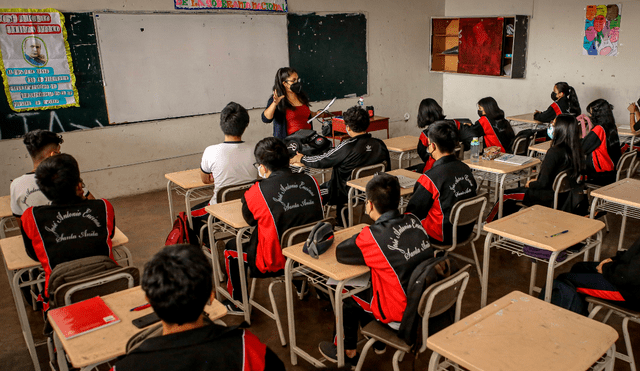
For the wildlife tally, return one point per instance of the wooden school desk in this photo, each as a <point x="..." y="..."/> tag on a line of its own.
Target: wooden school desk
<point x="525" y="121"/>
<point x="97" y="347"/>
<point x="189" y="184"/>
<point x="404" y="146"/>
<point x="7" y="222"/>
<point x="357" y="188"/>
<point x="17" y="262"/>
<point x="540" y="149"/>
<point x="535" y="226"/>
<point x="318" y="271"/>
<point x="622" y="198"/>
<point x="627" y="136"/>
<point x="520" y="332"/>
<point x="339" y="131"/>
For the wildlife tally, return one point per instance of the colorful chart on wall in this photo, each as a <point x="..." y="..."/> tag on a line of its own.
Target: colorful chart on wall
<point x="602" y="30"/>
<point x="279" y="6"/>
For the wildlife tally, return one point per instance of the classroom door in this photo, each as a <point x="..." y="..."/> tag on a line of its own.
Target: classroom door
<point x="480" y="50"/>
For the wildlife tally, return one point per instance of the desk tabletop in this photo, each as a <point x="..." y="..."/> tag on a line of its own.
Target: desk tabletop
<point x="526" y="118"/>
<point x="229" y="212"/>
<point x="541" y="147"/>
<point x="520" y="332"/>
<point x="535" y="225"/>
<point x="110" y="342"/>
<point x="623" y="192"/>
<point x="402" y="144"/>
<point x="187" y="179"/>
<point x="378" y="118"/>
<point x="5" y="207"/>
<point x="15" y="256"/>
<point x="327" y="263"/>
<point x="627" y="132"/>
<point x="361" y="183"/>
<point x="498" y="167"/>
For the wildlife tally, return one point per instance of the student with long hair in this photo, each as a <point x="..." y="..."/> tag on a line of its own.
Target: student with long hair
<point x="602" y="144"/>
<point x="565" y="100"/>
<point x="565" y="154"/>
<point x="288" y="107"/>
<point x="497" y="130"/>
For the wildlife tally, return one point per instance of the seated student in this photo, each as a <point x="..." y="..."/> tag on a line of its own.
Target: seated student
<point x="280" y="201"/>
<point x="602" y="144"/>
<point x="497" y="131"/>
<point x="565" y="100"/>
<point x="437" y="190"/>
<point x="634" y="119"/>
<point x="177" y="282"/>
<point x="227" y="163"/>
<point x="41" y="144"/>
<point x="72" y="227"/>
<point x="565" y="154"/>
<point x="392" y="257"/>
<point x="359" y="150"/>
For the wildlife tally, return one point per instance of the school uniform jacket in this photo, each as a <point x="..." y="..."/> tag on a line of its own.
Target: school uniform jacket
<point x="55" y="234"/>
<point x="493" y="136"/>
<point x="601" y="158"/>
<point x="556" y="108"/>
<point x="540" y="191"/>
<point x="358" y="151"/>
<point x="436" y="191"/>
<point x="273" y="205"/>
<point x="206" y="348"/>
<point x="392" y="247"/>
<point x="624" y="273"/>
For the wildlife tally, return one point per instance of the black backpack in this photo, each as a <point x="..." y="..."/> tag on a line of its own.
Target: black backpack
<point x="307" y="142"/>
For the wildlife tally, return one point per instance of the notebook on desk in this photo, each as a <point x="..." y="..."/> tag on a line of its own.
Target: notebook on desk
<point x="83" y="317"/>
<point x="406" y="182"/>
<point x="513" y="159"/>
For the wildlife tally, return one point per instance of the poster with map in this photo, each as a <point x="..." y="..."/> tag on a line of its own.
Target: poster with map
<point x="602" y="30"/>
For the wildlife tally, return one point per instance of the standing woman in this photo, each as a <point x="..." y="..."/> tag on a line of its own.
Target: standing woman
<point x="565" y="100"/>
<point x="602" y="144"/>
<point x="497" y="130"/>
<point x="288" y="107"/>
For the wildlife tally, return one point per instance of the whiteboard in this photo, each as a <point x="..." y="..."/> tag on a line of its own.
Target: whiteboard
<point x="158" y="66"/>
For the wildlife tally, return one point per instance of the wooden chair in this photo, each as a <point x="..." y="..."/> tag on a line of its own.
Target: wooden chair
<point x="357" y="173"/>
<point x="627" y="315"/>
<point x="435" y="300"/>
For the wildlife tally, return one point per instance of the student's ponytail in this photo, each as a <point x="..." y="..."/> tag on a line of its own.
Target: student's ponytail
<point x="570" y="93"/>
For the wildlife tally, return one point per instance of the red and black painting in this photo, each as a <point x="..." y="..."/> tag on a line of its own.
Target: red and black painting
<point x="480" y="46"/>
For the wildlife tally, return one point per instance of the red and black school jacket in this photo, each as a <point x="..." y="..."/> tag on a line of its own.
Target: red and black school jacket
<point x="493" y="136"/>
<point x="273" y="205"/>
<point x="55" y="234"/>
<point x="436" y="191"/>
<point x="424" y="140"/>
<point x="556" y="108"/>
<point x="206" y="348"/>
<point x="601" y="157"/>
<point x="624" y="273"/>
<point x="392" y="247"/>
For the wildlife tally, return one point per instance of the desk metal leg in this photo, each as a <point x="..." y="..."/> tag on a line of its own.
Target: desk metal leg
<point x="288" y="284"/>
<point x="400" y="160"/>
<point x="187" y="203"/>
<point x="61" y="356"/>
<point x="434" y="361"/>
<point x="596" y="253"/>
<point x="350" y="206"/>
<point x="594" y="204"/>
<point x="14" y="281"/>
<point x="622" y="227"/>
<point x="501" y="195"/>
<point x="170" y="196"/>
<point x="214" y="254"/>
<point x="246" y="306"/>
<point x="485" y="270"/>
<point x="339" y="325"/>
<point x="550" y="269"/>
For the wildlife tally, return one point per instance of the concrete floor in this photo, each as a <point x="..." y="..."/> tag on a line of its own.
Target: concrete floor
<point x="145" y="220"/>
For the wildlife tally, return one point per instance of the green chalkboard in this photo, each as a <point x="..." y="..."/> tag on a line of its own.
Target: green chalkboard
<point x="330" y="53"/>
<point x="92" y="112"/>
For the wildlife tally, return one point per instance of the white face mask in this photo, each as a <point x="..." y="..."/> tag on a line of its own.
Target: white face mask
<point x="260" y="174"/>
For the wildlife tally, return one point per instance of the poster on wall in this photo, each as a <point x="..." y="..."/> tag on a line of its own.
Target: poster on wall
<point x="279" y="6"/>
<point x="602" y="30"/>
<point x="35" y="61"/>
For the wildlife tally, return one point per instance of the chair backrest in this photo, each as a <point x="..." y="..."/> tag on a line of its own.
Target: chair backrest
<point x="561" y="184"/>
<point x="233" y="192"/>
<point x="300" y="233"/>
<point x="520" y="145"/>
<point x="625" y="164"/>
<point x="466" y="212"/>
<point x="459" y="151"/>
<point x="365" y="171"/>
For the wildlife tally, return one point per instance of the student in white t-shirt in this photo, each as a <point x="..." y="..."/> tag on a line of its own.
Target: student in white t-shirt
<point x="227" y="163"/>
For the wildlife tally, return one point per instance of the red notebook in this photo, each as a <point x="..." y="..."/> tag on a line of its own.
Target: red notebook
<point x="82" y="317"/>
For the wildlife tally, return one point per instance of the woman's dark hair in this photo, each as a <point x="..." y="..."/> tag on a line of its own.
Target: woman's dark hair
<point x="384" y="191"/>
<point x="570" y="93"/>
<point x="443" y="135"/>
<point x="178" y="283"/>
<point x="58" y="177"/>
<point x="567" y="134"/>
<point x="357" y="119"/>
<point x="493" y="112"/>
<point x="429" y="112"/>
<point x="283" y="74"/>
<point x="601" y="113"/>
<point x="234" y="119"/>
<point x="272" y="153"/>
<point x="36" y="140"/>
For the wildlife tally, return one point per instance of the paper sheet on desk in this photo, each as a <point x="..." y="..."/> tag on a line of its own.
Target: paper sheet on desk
<point x="325" y="109"/>
<point x="360" y="281"/>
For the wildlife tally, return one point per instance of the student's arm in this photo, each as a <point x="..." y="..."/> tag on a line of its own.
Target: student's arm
<point x="206" y="166"/>
<point x="422" y="147"/>
<point x="247" y="214"/>
<point x="29" y="223"/>
<point x="421" y="200"/>
<point x="546" y="116"/>
<point x="328" y="159"/>
<point x="634" y="118"/>
<point x="348" y="252"/>
<point x="270" y="111"/>
<point x="623" y="273"/>
<point x="590" y="142"/>
<point x="207" y="178"/>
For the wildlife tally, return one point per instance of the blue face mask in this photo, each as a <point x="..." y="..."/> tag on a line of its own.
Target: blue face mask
<point x="550" y="131"/>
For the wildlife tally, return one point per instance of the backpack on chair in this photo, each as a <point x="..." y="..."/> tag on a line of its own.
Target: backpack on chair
<point x="181" y="232"/>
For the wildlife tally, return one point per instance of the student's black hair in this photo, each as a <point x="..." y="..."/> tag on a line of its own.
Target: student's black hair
<point x="601" y="113"/>
<point x="429" y="112"/>
<point x="570" y="93"/>
<point x="357" y="119"/>
<point x="384" y="191"/>
<point x="272" y="153"/>
<point x="443" y="135"/>
<point x="58" y="177"/>
<point x="493" y="112"/>
<point x="234" y="119"/>
<point x="36" y="140"/>
<point x="567" y="134"/>
<point x="178" y="282"/>
<point x="281" y="75"/>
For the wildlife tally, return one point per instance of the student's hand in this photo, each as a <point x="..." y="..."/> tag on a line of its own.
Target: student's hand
<point x="599" y="267"/>
<point x="536" y="111"/>
<point x="632" y="108"/>
<point x="529" y="182"/>
<point x="276" y="98"/>
<point x="296" y="159"/>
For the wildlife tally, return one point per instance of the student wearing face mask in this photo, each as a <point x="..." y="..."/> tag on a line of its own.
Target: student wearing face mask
<point x="497" y="130"/>
<point x="288" y="107"/>
<point x="602" y="144"/>
<point x="565" y="100"/>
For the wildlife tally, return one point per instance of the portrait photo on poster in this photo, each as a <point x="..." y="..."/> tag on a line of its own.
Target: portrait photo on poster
<point x="34" y="50"/>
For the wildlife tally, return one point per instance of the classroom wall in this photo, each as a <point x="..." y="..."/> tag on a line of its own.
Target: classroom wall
<point x="554" y="54"/>
<point x="132" y="156"/>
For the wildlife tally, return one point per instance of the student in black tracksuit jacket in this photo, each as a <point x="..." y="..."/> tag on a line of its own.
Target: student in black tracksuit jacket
<point x="565" y="100"/>
<point x="497" y="131"/>
<point x="437" y="190"/>
<point x="602" y="144"/>
<point x="392" y="247"/>
<point x="361" y="149"/>
<point x="178" y="283"/>
<point x="565" y="154"/>
<point x="280" y="201"/>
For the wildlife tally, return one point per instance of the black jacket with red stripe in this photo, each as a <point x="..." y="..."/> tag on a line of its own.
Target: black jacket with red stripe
<point x="556" y="108"/>
<point x="602" y="154"/>
<point x="624" y="273"/>
<point x="358" y="151"/>
<point x="392" y="247"/>
<point x="436" y="191"/>
<point x="206" y="348"/>
<point x="273" y="205"/>
<point x="55" y="234"/>
<point x="493" y="135"/>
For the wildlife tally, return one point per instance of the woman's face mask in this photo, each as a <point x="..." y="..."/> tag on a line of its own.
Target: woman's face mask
<point x="550" y="131"/>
